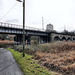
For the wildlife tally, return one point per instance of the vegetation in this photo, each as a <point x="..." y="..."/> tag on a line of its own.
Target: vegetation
<point x="6" y="43"/>
<point x="3" y="36"/>
<point x="57" y="56"/>
<point x="69" y="33"/>
<point x="35" y="40"/>
<point x="60" y="57"/>
<point x="28" y="65"/>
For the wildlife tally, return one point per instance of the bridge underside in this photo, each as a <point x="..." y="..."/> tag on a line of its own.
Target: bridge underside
<point x="41" y="39"/>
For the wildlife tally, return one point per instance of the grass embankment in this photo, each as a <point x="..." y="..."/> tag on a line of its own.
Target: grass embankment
<point x="28" y="65"/>
<point x="58" y="56"/>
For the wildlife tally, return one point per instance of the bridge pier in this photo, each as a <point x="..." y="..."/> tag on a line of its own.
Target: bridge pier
<point x="28" y="40"/>
<point x="44" y="39"/>
<point x="19" y="38"/>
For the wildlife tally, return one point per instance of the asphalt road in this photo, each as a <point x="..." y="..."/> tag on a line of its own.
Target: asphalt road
<point x="8" y="65"/>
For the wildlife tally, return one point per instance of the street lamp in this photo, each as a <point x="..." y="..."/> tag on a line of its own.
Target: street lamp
<point x="19" y="0"/>
<point x="23" y="25"/>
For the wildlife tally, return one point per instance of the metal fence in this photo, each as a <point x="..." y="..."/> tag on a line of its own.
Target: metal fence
<point x="2" y="24"/>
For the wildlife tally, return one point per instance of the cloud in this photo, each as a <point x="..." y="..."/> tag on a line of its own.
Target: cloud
<point x="0" y="3"/>
<point x="12" y="20"/>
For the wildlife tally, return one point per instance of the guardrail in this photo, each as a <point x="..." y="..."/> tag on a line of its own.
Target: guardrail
<point x="2" y="24"/>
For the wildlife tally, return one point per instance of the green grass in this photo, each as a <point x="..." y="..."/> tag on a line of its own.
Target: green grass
<point x="28" y="65"/>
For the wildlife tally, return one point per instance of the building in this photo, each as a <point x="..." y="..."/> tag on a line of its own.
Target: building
<point x="49" y="27"/>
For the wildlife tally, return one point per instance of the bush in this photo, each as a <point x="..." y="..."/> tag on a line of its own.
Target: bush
<point x="6" y="45"/>
<point x="18" y="48"/>
<point x="28" y="49"/>
<point x="35" y="42"/>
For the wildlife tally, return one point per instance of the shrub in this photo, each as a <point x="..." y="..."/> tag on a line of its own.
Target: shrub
<point x="35" y="42"/>
<point x="28" y="49"/>
<point x="6" y="45"/>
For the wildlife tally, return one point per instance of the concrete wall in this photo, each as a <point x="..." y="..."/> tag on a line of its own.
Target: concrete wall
<point x="61" y="37"/>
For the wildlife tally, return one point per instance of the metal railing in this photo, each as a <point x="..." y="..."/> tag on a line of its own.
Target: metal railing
<point x="2" y="24"/>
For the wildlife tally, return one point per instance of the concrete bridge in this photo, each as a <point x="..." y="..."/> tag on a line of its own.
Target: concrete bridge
<point x="62" y="37"/>
<point x="44" y="36"/>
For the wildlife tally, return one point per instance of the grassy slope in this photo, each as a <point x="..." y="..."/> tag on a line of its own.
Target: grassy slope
<point x="28" y="65"/>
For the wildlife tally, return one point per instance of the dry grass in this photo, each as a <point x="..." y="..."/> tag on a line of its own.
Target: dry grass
<point x="6" y="41"/>
<point x="58" y="57"/>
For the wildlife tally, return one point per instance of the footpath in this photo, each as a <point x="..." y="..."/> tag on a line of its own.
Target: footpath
<point x="8" y="65"/>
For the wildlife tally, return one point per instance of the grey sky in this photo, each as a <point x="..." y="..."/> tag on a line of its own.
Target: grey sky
<point x="60" y="13"/>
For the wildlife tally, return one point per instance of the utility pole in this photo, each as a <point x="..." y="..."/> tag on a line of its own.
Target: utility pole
<point x="42" y="23"/>
<point x="23" y="26"/>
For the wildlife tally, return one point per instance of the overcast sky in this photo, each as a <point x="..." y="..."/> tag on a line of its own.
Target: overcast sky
<point x="60" y="13"/>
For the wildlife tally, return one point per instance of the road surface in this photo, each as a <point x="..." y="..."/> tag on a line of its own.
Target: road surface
<point x="8" y="65"/>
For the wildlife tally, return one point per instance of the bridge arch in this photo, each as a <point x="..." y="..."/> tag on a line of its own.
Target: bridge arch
<point x="69" y="39"/>
<point x="63" y="39"/>
<point x="56" y="38"/>
<point x="74" y="39"/>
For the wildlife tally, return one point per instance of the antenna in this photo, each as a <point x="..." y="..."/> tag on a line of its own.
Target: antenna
<point x="42" y="23"/>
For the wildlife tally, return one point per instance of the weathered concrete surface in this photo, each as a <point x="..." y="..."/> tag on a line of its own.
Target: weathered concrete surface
<point x="8" y="65"/>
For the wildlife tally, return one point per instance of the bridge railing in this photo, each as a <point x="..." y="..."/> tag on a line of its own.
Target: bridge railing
<point x="2" y="24"/>
<point x="10" y="25"/>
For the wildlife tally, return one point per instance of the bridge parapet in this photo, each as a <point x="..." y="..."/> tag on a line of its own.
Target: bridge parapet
<point x="2" y="24"/>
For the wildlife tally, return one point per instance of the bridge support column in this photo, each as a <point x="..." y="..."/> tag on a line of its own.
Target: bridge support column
<point x="18" y="38"/>
<point x="40" y="39"/>
<point x="28" y="40"/>
<point x="52" y="38"/>
<point x="48" y="39"/>
<point x="43" y="39"/>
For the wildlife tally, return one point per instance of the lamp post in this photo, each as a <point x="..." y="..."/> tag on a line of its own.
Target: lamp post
<point x="23" y="26"/>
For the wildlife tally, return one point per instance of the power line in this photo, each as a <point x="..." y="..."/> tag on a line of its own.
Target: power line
<point x="8" y="11"/>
